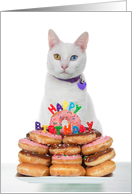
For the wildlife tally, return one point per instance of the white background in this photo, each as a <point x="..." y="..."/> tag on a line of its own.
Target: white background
<point x="108" y="72"/>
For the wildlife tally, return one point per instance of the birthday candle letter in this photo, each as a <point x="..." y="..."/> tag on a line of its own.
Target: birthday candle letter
<point x="65" y="104"/>
<point x="67" y="130"/>
<point x="52" y="129"/>
<point x="58" y="106"/>
<point x="37" y="125"/>
<point x="45" y="127"/>
<point x="52" y="109"/>
<point x="82" y="129"/>
<point x="77" y="108"/>
<point x="75" y="129"/>
<point x="58" y="129"/>
<point x="90" y="125"/>
<point x="72" y="105"/>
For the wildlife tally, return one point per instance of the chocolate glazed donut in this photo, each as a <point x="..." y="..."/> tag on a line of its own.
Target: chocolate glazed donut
<point x="67" y="149"/>
<point x="99" y="157"/>
<point x="34" y="158"/>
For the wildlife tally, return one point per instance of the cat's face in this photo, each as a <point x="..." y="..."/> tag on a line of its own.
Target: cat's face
<point x="66" y="60"/>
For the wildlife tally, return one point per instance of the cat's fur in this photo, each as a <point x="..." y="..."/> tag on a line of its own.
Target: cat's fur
<point x="57" y="91"/>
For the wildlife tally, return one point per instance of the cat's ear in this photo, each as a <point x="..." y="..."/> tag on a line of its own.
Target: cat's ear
<point x="82" y="41"/>
<point x="53" y="39"/>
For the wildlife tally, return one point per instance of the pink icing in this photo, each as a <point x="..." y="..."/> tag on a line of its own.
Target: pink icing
<point x="54" y="136"/>
<point x="30" y="142"/>
<point x="97" y="141"/>
<point x="72" y="118"/>
<point x="72" y="157"/>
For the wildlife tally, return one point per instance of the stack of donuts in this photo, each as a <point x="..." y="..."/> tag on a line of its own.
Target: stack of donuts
<point x="33" y="158"/>
<point x="66" y="154"/>
<point x="67" y="158"/>
<point x="98" y="155"/>
<point x="81" y="154"/>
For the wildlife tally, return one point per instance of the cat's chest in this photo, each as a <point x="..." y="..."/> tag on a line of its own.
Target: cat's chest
<point x="63" y="89"/>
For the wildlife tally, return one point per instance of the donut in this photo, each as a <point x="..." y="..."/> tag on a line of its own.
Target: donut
<point x="99" y="157"/>
<point x="102" y="169"/>
<point x="71" y="118"/>
<point x="79" y="138"/>
<point x="65" y="159"/>
<point x="36" y="170"/>
<point x="30" y="145"/>
<point x="100" y="144"/>
<point x="34" y="158"/>
<point x="45" y="137"/>
<point x="65" y="149"/>
<point x="27" y="135"/>
<point x="98" y="133"/>
<point x="67" y="170"/>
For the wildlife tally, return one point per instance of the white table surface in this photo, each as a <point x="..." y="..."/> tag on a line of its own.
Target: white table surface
<point x="121" y="182"/>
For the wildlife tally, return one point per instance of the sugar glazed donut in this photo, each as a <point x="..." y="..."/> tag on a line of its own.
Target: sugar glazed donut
<point x="79" y="138"/>
<point x="45" y="137"/>
<point x="65" y="149"/>
<point x="101" y="143"/>
<point x="30" y="145"/>
<point x="99" y="157"/>
<point x="72" y="118"/>
<point x="35" y="170"/>
<point x="102" y="169"/>
<point x="65" y="159"/>
<point x="34" y="158"/>
<point x="66" y="170"/>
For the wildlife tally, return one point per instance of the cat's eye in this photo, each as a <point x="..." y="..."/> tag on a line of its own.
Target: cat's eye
<point x="57" y="56"/>
<point x="73" y="57"/>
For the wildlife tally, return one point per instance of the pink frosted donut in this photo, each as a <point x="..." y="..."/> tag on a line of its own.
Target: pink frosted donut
<point x="67" y="159"/>
<point x="100" y="144"/>
<point x="45" y="137"/>
<point x="72" y="118"/>
<point x="30" y="145"/>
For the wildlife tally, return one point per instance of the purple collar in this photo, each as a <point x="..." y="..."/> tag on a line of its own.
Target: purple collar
<point x="72" y="80"/>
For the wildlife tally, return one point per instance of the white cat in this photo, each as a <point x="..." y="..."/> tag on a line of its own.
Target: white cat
<point x="64" y="62"/>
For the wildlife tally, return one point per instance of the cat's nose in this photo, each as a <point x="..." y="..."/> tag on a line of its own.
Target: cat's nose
<point x="64" y="66"/>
